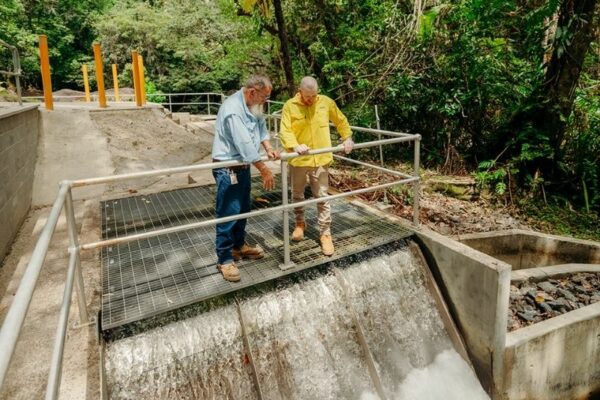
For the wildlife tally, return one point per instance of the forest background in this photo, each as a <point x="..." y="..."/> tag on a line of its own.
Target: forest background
<point x="507" y="91"/>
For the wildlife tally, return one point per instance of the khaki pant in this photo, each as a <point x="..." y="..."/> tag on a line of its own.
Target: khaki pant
<point x="318" y="177"/>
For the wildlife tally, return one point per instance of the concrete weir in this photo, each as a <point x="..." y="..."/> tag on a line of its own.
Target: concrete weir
<point x="558" y="358"/>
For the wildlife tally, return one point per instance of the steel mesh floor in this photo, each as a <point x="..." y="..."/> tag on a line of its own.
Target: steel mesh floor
<point x="147" y="277"/>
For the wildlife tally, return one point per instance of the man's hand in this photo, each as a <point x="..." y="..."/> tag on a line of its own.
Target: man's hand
<point x="348" y="145"/>
<point x="266" y="175"/>
<point x="272" y="154"/>
<point x="301" y="149"/>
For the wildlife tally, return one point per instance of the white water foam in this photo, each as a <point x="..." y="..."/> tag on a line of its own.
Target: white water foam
<point x="304" y="343"/>
<point x="448" y="377"/>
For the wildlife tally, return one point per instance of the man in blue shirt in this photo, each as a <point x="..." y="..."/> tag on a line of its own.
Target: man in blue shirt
<point x="240" y="130"/>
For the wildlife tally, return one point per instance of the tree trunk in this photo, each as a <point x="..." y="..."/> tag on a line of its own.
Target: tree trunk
<point x="285" y="50"/>
<point x="577" y="17"/>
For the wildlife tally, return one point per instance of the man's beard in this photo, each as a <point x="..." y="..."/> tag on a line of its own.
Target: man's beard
<point x="258" y="110"/>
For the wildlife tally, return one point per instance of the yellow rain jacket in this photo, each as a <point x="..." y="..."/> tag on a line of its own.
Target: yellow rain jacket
<point x="301" y="124"/>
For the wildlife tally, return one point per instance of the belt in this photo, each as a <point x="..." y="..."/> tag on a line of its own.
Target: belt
<point x="235" y="167"/>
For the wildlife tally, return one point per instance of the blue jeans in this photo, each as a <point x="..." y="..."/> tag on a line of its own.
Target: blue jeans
<point x="231" y="200"/>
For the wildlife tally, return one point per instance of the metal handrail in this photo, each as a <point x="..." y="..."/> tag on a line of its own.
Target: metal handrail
<point x="17" y="68"/>
<point x="13" y="322"/>
<point x="169" y="104"/>
<point x="16" y="313"/>
<point x="283" y="207"/>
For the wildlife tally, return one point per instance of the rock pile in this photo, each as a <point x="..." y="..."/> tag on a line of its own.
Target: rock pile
<point x="532" y="302"/>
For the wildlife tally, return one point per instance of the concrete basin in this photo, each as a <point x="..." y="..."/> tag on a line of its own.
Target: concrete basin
<point x="558" y="358"/>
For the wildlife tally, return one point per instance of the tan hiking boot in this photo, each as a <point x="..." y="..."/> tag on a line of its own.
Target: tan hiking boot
<point x="298" y="233"/>
<point x="252" y="253"/>
<point x="327" y="245"/>
<point x="229" y="271"/>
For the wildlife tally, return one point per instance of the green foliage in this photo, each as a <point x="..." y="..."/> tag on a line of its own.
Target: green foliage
<point x="187" y="46"/>
<point x="559" y="218"/>
<point x="489" y="175"/>
<point x="68" y="26"/>
<point x="457" y="72"/>
<point x="582" y="144"/>
<point x="152" y="94"/>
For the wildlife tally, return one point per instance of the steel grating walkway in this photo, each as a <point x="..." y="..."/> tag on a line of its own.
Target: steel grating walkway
<point x="147" y="277"/>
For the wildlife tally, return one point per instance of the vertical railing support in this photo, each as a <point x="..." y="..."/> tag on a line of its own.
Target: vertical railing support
<point x="17" y="66"/>
<point x="74" y="242"/>
<point x="379" y="135"/>
<point x="55" y="373"/>
<point x="136" y="78"/>
<point x="116" y="82"/>
<point x="286" y="218"/>
<point x="45" y="68"/>
<point x="170" y="105"/>
<point x="208" y="102"/>
<point x="417" y="183"/>
<point x="86" y="82"/>
<point x="99" y="75"/>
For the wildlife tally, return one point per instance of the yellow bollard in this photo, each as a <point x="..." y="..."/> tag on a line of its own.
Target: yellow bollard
<point x="45" y="68"/>
<point x="136" y="77"/>
<point x="142" y="79"/>
<point x="86" y="83"/>
<point x="116" y="82"/>
<point x="99" y="75"/>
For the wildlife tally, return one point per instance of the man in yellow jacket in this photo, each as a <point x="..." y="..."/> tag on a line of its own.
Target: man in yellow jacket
<point x="305" y="126"/>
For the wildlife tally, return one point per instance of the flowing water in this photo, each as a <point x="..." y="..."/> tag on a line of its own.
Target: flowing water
<point x="304" y="343"/>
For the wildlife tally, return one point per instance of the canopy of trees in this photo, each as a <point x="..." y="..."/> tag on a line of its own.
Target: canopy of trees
<point x="506" y="90"/>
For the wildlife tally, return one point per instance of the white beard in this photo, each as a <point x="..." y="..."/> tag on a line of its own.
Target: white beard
<point x="258" y="110"/>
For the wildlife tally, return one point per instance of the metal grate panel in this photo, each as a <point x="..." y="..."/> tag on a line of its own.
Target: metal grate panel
<point x="147" y="277"/>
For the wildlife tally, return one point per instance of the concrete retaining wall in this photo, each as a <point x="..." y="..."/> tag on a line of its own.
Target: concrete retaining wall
<point x="476" y="288"/>
<point x="19" y="131"/>
<point x="523" y="249"/>
<point x="555" y="359"/>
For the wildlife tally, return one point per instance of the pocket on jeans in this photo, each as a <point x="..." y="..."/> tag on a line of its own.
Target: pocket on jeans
<point x="221" y="176"/>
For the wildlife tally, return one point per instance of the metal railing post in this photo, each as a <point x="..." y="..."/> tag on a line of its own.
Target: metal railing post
<point x="61" y="330"/>
<point x="416" y="183"/>
<point x="379" y="135"/>
<point x="170" y="106"/>
<point x="286" y="216"/>
<point x="208" y="102"/>
<point x="17" y="66"/>
<point x="11" y="327"/>
<point x="74" y="242"/>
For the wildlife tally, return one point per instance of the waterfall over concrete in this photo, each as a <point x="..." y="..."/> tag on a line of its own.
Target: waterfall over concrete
<point x="304" y="343"/>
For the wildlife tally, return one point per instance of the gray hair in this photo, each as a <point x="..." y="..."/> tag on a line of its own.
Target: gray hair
<point x="259" y="82"/>
<point x="309" y="83"/>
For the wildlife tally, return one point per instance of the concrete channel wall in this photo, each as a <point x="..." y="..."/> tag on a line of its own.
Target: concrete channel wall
<point x="476" y="288"/>
<point x="19" y="131"/>
<point x="524" y="249"/>
<point x="555" y="359"/>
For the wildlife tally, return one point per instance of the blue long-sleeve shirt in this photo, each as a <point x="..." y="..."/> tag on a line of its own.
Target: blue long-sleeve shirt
<point x="238" y="133"/>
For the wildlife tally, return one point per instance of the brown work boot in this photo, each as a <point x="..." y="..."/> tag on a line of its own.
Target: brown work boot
<point x="327" y="245"/>
<point x="229" y="271"/>
<point x="252" y="253"/>
<point x="298" y="233"/>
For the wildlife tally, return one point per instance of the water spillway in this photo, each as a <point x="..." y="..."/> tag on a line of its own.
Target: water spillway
<point x="302" y="341"/>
